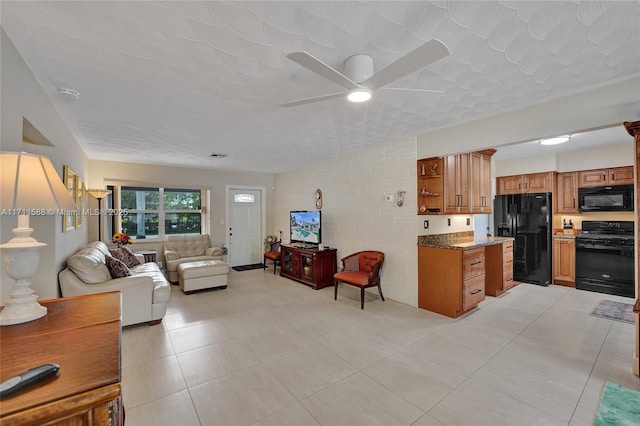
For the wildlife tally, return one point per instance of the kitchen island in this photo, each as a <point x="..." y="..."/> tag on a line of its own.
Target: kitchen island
<point x="456" y="270"/>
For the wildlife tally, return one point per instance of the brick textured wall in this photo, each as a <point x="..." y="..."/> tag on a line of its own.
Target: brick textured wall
<point x="355" y="215"/>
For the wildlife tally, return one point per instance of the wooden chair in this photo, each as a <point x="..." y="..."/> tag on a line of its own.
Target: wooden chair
<point x="361" y="269"/>
<point x="274" y="255"/>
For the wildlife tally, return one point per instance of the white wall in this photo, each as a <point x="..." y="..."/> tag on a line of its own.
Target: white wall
<point x="355" y="215"/>
<point x="103" y="173"/>
<point x="601" y="107"/>
<point x="23" y="96"/>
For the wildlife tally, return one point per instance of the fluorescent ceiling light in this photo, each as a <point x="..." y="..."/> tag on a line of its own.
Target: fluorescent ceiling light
<point x="555" y="141"/>
<point x="361" y="94"/>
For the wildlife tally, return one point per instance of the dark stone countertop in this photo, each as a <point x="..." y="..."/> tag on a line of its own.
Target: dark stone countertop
<point x="459" y="241"/>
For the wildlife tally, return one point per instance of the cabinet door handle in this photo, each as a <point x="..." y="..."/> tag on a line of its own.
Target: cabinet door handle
<point x="509" y="279"/>
<point x="574" y="203"/>
<point x="476" y="263"/>
<point x="509" y="261"/>
<point x="613" y="176"/>
<point x="476" y="291"/>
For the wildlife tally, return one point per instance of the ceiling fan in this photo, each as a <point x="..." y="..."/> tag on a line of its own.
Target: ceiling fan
<point x="358" y="77"/>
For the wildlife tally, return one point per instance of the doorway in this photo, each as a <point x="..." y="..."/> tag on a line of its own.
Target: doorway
<point x="246" y="222"/>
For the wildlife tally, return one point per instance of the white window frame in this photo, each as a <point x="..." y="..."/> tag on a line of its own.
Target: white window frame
<point x="205" y="197"/>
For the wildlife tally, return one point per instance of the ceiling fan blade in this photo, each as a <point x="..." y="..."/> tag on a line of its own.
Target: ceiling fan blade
<point x="419" y="58"/>
<point x="316" y="65"/>
<point x="312" y="100"/>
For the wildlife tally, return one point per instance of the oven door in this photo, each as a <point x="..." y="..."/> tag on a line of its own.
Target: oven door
<point x="597" y="263"/>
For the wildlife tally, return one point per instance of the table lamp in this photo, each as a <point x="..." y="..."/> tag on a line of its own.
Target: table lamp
<point x="29" y="185"/>
<point x="99" y="194"/>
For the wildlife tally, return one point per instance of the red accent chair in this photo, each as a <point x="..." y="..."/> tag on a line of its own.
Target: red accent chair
<point x="361" y="269"/>
<point x="274" y="255"/>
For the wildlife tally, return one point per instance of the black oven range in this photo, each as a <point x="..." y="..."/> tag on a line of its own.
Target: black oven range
<point x="605" y="261"/>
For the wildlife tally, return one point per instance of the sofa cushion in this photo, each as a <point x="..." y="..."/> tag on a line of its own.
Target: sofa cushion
<point x="117" y="268"/>
<point x="125" y="254"/>
<point x="188" y="245"/>
<point x="88" y="264"/>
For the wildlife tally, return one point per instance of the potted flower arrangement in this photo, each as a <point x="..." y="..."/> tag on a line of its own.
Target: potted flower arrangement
<point x="121" y="238"/>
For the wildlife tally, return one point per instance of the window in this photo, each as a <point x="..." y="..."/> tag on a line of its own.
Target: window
<point x="153" y="213"/>
<point x="244" y="198"/>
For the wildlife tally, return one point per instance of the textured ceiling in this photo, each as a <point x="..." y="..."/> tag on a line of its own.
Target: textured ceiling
<point x="171" y="82"/>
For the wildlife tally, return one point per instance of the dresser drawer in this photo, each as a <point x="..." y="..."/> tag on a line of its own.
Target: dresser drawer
<point x="472" y="292"/>
<point x="473" y="263"/>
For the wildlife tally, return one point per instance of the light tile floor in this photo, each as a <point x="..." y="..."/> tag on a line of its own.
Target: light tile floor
<point x="271" y="351"/>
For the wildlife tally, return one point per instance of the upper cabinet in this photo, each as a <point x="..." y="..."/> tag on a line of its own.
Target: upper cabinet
<point x="430" y="186"/>
<point x="566" y="196"/>
<point x="481" y="182"/>
<point x="602" y="177"/>
<point x="455" y="184"/>
<point x="522" y="184"/>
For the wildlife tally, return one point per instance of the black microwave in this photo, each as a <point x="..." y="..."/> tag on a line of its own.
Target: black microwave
<point x="617" y="198"/>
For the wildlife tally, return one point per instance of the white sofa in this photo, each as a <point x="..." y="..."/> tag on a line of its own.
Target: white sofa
<point x="145" y="293"/>
<point x="188" y="248"/>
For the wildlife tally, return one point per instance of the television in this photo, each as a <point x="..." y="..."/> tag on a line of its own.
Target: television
<point x="305" y="227"/>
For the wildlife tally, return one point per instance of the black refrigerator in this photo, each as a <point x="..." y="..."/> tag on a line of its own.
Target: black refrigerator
<point x="527" y="218"/>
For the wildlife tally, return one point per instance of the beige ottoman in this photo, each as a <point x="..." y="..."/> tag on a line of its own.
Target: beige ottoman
<point x="202" y="274"/>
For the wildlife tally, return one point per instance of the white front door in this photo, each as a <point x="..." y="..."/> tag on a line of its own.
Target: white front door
<point x="245" y="227"/>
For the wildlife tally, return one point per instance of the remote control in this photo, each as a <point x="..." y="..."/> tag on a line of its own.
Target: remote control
<point x="27" y="378"/>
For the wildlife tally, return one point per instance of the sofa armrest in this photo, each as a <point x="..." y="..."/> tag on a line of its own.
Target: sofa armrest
<point x="171" y="255"/>
<point x="140" y="258"/>
<point x="213" y="251"/>
<point x="137" y="294"/>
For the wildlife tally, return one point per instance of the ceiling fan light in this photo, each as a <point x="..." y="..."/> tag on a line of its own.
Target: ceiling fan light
<point x="361" y="94"/>
<point x="556" y="141"/>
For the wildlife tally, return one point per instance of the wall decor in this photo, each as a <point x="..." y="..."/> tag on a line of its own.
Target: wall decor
<point x="318" y="197"/>
<point x="70" y="182"/>
<point x="81" y="195"/>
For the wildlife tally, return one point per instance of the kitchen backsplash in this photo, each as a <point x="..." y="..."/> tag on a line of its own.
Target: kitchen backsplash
<point x="578" y="218"/>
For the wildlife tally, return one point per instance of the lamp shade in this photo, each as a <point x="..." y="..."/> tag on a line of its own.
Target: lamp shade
<point x="29" y="181"/>
<point x="98" y="193"/>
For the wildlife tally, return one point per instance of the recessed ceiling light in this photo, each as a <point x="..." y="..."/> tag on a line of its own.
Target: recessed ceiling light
<point x="69" y="93"/>
<point x="361" y="94"/>
<point x="556" y="140"/>
<point x="216" y="155"/>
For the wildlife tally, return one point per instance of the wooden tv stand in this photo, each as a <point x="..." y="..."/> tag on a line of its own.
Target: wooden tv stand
<point x="309" y="266"/>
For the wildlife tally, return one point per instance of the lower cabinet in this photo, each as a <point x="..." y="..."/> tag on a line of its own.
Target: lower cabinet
<point x="564" y="261"/>
<point x="310" y="266"/>
<point x="451" y="282"/>
<point x="499" y="260"/>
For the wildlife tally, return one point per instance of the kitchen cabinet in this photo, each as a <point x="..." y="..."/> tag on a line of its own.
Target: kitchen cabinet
<point x="564" y="261"/>
<point x="523" y="184"/>
<point x="430" y="186"/>
<point x="602" y="177"/>
<point x="451" y="282"/>
<point x="499" y="268"/>
<point x="566" y="197"/>
<point x="480" y="183"/>
<point x="310" y="266"/>
<point x="456" y="184"/>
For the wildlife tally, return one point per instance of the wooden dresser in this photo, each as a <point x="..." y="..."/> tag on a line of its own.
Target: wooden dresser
<point x="82" y="335"/>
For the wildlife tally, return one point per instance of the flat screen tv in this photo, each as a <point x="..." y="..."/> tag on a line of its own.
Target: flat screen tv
<point x="305" y="227"/>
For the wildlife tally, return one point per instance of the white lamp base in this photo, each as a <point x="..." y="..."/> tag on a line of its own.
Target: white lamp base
<point x="21" y="256"/>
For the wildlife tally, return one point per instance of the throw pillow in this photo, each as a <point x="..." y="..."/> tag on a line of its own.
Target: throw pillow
<point x="116" y="267"/>
<point x="126" y="255"/>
